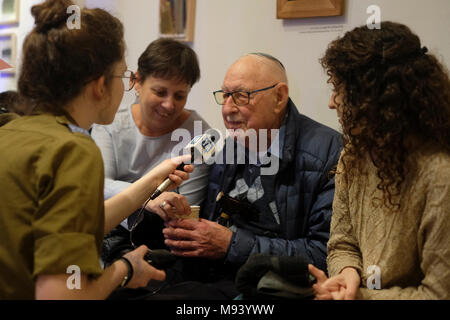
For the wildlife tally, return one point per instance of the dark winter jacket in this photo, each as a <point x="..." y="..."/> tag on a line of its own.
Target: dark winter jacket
<point x="304" y="194"/>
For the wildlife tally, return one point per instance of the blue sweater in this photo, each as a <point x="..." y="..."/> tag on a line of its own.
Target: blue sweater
<point x="304" y="194"/>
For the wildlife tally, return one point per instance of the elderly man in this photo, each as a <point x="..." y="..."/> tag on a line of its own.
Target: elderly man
<point x="292" y="205"/>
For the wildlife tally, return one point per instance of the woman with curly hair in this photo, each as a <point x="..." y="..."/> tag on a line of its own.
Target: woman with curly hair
<point x="391" y="211"/>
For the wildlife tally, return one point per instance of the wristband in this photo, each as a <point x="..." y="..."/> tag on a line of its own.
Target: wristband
<point x="128" y="277"/>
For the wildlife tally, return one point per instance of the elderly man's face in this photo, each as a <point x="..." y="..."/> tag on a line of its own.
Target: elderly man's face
<point x="247" y="74"/>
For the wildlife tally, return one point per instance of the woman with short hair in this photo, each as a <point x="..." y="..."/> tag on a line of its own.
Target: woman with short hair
<point x="148" y="132"/>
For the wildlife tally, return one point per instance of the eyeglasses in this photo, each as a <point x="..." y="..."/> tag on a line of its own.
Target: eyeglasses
<point x="128" y="79"/>
<point x="240" y="98"/>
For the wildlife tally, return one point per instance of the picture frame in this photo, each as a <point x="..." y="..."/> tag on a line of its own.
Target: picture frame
<point x="8" y="43"/>
<point x="177" y="19"/>
<point x="294" y="9"/>
<point x="9" y="12"/>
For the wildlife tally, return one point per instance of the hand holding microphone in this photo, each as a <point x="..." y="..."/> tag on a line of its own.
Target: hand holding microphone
<point x="204" y="147"/>
<point x="173" y="178"/>
<point x="168" y="168"/>
<point x="201" y="147"/>
<point x="175" y="175"/>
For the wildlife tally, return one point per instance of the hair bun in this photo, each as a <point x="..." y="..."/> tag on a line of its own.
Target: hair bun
<point x="50" y="14"/>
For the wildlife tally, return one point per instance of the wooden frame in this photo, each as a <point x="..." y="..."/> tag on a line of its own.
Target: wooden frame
<point x="8" y="51"/>
<point x="9" y="12"/>
<point x="292" y="9"/>
<point x="178" y="23"/>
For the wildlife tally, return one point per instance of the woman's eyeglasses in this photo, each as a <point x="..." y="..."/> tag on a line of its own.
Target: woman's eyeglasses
<point x="128" y="78"/>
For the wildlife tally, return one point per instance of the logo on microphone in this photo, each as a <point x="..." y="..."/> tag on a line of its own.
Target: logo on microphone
<point x="207" y="144"/>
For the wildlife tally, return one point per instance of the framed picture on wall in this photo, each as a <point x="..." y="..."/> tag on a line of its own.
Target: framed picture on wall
<point x="8" y="51"/>
<point x="9" y="11"/>
<point x="293" y="9"/>
<point x="177" y="19"/>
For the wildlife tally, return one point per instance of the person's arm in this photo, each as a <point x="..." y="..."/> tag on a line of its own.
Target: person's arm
<point x="54" y="287"/>
<point x="344" y="259"/>
<point x="129" y="200"/>
<point x="433" y="239"/>
<point x="343" y="248"/>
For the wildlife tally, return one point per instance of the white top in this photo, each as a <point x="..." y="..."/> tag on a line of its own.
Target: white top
<point x="128" y="155"/>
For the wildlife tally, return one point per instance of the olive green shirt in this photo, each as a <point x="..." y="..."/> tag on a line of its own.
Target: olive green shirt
<point x="51" y="203"/>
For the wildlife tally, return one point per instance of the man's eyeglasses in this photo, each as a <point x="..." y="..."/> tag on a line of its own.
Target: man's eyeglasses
<point x="240" y="98"/>
<point x="128" y="79"/>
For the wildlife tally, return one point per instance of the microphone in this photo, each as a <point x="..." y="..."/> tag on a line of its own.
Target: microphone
<point x="203" y="147"/>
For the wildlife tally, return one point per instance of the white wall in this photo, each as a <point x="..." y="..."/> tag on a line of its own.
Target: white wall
<point x="227" y="29"/>
<point x="25" y="25"/>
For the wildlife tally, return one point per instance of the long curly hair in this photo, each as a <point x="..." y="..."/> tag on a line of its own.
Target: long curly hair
<point x="392" y="92"/>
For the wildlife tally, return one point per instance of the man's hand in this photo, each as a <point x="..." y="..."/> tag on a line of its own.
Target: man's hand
<point x="203" y="238"/>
